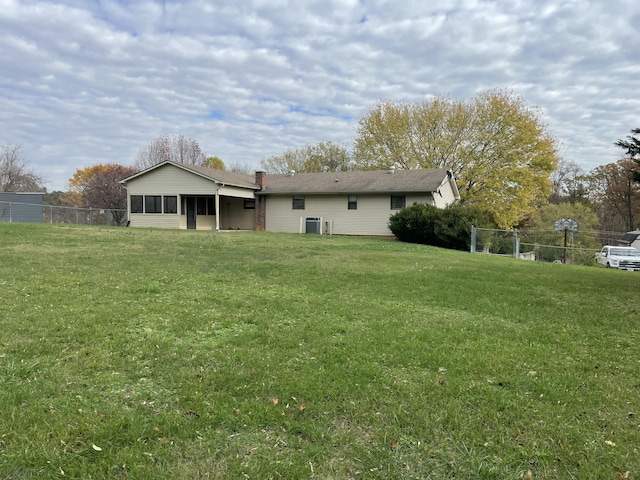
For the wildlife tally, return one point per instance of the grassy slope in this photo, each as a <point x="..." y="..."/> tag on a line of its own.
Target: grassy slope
<point x="197" y="355"/>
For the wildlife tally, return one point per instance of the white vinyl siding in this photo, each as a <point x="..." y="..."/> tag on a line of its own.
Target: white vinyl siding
<point x="444" y="196"/>
<point x="155" y="220"/>
<point x="233" y="215"/>
<point x="371" y="217"/>
<point x="236" y="192"/>
<point x="170" y="180"/>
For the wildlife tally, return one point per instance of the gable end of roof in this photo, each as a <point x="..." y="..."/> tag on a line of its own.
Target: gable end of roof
<point x="222" y="177"/>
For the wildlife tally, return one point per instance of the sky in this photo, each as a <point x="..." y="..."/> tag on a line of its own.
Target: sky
<point x="87" y="82"/>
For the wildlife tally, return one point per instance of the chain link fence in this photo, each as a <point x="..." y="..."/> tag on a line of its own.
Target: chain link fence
<point x="35" y="213"/>
<point x="543" y="245"/>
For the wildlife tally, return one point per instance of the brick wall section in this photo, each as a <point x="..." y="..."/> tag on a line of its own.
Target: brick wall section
<point x="261" y="202"/>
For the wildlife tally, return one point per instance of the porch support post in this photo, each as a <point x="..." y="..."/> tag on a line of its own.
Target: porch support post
<point x="217" y="211"/>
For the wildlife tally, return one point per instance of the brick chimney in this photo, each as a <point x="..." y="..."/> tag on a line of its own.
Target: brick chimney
<point x="261" y="202"/>
<point x="261" y="179"/>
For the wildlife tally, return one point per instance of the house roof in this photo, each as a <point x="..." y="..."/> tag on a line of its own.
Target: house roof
<point x="629" y="237"/>
<point x="377" y="181"/>
<point x="219" y="176"/>
<point x="352" y="182"/>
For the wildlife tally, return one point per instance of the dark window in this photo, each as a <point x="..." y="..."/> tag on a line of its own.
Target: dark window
<point x="201" y="206"/>
<point x="153" y="204"/>
<point x="249" y="204"/>
<point x="171" y="204"/>
<point x="211" y="206"/>
<point x="398" y="202"/>
<point x="183" y="205"/>
<point x="298" y="203"/>
<point x="352" y="202"/>
<point x="136" y="204"/>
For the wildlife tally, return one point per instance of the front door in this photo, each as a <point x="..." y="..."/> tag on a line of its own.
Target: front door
<point x="191" y="213"/>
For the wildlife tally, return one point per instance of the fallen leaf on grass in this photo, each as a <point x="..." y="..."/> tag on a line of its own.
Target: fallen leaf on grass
<point x="96" y="448"/>
<point x="622" y="476"/>
<point x="274" y="400"/>
<point x="303" y="406"/>
<point x="610" y="443"/>
<point x="394" y="445"/>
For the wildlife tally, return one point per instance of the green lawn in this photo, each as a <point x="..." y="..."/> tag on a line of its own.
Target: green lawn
<point x="134" y="353"/>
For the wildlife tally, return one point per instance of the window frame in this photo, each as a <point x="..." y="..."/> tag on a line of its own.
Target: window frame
<point x="352" y="202"/>
<point x="211" y="205"/>
<point x="398" y="202"/>
<point x="168" y="208"/>
<point x="249" y="204"/>
<point x="153" y="204"/>
<point x="297" y="202"/>
<point x="137" y="204"/>
<point x="201" y="205"/>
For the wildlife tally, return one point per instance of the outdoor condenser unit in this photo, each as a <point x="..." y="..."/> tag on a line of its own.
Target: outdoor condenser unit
<point x="312" y="225"/>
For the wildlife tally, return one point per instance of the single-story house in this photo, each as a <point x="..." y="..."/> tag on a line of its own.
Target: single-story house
<point x="175" y="195"/>
<point x="631" y="239"/>
<point x="21" y="207"/>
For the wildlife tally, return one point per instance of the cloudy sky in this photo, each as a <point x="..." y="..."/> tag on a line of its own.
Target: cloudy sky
<point x="84" y="82"/>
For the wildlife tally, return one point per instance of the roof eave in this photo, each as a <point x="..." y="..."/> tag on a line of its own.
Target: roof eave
<point x="344" y="192"/>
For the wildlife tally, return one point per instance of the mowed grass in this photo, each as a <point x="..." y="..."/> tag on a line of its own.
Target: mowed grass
<point x="134" y="353"/>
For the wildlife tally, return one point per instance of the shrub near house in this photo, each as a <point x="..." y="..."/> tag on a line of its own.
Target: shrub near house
<point x="448" y="228"/>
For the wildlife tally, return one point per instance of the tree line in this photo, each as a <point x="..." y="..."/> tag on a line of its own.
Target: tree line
<point x="498" y="148"/>
<point x="504" y="160"/>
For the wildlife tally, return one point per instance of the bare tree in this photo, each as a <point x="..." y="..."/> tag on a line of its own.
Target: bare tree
<point x="569" y="183"/>
<point x="321" y="157"/>
<point x="176" y="148"/>
<point x="14" y="174"/>
<point x="238" y="167"/>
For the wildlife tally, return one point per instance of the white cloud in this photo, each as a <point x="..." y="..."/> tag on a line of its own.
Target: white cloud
<point x="93" y="82"/>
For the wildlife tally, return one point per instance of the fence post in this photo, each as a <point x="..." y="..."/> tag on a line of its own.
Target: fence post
<point x="516" y="244"/>
<point x="473" y="239"/>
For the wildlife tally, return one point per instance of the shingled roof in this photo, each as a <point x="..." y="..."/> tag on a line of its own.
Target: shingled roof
<point x="223" y="176"/>
<point x="629" y="237"/>
<point x="378" y="181"/>
<point x="352" y="182"/>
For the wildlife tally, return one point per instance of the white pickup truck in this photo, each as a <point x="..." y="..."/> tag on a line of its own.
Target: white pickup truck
<point x="623" y="258"/>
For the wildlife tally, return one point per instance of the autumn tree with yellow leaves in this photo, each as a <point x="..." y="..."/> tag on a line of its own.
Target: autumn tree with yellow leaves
<point x="99" y="187"/>
<point x="496" y="146"/>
